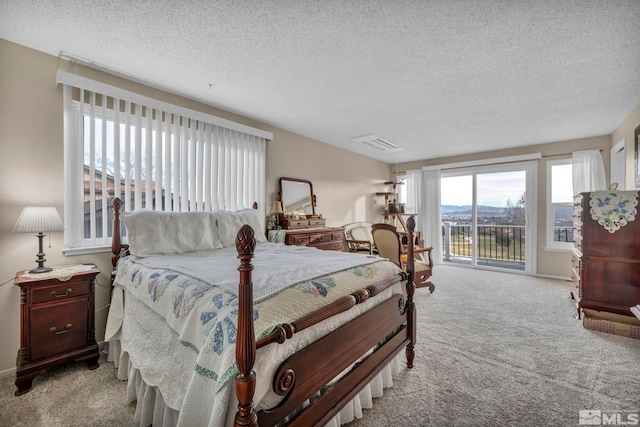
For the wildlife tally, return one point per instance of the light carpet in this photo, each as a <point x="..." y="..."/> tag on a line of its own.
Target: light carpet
<point x="494" y="349"/>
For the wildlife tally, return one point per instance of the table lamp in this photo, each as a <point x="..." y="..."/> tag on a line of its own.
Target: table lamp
<point x="39" y="220"/>
<point x="276" y="210"/>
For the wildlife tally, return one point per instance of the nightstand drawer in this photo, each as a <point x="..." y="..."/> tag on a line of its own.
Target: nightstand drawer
<point x="56" y="328"/>
<point x="59" y="292"/>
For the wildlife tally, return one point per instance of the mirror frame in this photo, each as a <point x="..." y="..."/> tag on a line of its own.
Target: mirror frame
<point x="303" y="181"/>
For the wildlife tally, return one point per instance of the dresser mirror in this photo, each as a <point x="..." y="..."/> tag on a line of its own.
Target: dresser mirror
<point x="297" y="196"/>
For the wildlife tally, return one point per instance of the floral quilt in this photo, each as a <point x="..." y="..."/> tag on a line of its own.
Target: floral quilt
<point x="203" y="317"/>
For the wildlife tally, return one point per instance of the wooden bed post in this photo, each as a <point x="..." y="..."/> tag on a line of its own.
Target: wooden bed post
<point x="246" y="340"/>
<point x="411" y="287"/>
<point x="115" y="241"/>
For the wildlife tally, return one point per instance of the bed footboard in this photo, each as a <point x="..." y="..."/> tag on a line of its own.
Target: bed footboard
<point x="299" y="377"/>
<point x="385" y="329"/>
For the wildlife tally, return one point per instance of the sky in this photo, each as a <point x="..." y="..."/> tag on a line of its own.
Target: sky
<point x="494" y="189"/>
<point x="562" y="183"/>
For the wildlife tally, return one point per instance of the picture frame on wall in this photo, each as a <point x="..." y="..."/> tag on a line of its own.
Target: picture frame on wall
<point x="636" y="158"/>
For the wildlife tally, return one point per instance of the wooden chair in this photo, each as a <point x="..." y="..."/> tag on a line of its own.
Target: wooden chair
<point x="389" y="244"/>
<point x="357" y="237"/>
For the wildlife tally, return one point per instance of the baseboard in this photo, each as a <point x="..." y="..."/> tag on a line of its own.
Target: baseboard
<point x="548" y="276"/>
<point x="543" y="276"/>
<point x="8" y="372"/>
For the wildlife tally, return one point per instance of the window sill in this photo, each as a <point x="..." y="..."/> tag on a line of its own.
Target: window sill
<point x="86" y="250"/>
<point x="558" y="249"/>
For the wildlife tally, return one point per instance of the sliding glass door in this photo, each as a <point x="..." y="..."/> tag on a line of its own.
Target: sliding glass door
<point x="488" y="215"/>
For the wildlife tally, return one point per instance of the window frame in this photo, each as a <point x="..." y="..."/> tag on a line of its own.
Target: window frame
<point x="75" y="242"/>
<point x="551" y="244"/>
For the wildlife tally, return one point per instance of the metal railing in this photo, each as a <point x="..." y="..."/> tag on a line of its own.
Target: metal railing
<point x="563" y="234"/>
<point x="496" y="245"/>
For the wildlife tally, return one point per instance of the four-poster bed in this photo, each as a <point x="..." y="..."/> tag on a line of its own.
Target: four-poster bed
<point x="300" y="369"/>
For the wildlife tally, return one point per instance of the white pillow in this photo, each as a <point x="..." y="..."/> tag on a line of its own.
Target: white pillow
<point x="156" y="233"/>
<point x="229" y="223"/>
<point x="250" y="216"/>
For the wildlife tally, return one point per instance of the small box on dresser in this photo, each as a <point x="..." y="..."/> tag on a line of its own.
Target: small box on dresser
<point x="292" y="223"/>
<point x="57" y="322"/>
<point x="311" y="231"/>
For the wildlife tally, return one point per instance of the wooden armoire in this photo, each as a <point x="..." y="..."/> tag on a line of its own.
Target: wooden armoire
<point x="606" y="253"/>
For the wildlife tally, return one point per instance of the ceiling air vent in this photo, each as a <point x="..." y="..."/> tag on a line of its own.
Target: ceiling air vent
<point x="376" y="142"/>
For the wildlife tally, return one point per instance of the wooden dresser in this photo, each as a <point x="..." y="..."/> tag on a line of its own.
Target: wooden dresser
<point x="605" y="265"/>
<point x="301" y="224"/>
<point x="57" y="321"/>
<point x="327" y="238"/>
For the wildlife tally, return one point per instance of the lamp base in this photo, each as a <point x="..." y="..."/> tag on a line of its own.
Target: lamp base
<point x="40" y="270"/>
<point x="40" y="260"/>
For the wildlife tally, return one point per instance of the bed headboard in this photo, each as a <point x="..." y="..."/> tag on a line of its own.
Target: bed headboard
<point x="117" y="248"/>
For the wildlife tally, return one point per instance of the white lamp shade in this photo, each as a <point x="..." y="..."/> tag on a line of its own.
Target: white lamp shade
<point x="276" y="208"/>
<point x="36" y="219"/>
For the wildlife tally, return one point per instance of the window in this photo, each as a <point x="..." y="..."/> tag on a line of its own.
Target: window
<point x="489" y="215"/>
<point x="152" y="155"/>
<point x="559" y="204"/>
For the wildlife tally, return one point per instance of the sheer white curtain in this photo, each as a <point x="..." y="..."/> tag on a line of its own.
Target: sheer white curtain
<point x="588" y="171"/>
<point x="423" y="198"/>
<point x="414" y="195"/>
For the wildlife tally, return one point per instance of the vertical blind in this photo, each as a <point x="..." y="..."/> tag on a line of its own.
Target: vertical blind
<point x="152" y="155"/>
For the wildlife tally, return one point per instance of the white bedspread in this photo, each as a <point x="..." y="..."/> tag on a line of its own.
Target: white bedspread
<point x="198" y="318"/>
<point x="270" y="275"/>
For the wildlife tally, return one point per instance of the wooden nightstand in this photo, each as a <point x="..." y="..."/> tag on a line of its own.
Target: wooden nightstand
<point x="57" y="321"/>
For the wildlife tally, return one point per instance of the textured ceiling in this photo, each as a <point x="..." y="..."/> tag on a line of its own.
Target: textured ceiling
<point x="438" y="78"/>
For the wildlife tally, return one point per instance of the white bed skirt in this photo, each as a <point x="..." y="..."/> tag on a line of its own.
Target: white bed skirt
<point x="151" y="409"/>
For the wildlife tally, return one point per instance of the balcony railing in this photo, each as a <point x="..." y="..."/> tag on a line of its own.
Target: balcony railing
<point x="496" y="245"/>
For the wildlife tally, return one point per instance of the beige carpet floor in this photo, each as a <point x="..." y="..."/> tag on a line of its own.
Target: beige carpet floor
<point x="494" y="349"/>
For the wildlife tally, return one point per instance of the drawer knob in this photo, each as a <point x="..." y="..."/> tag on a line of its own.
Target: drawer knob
<point x="64" y="331"/>
<point x="55" y="294"/>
